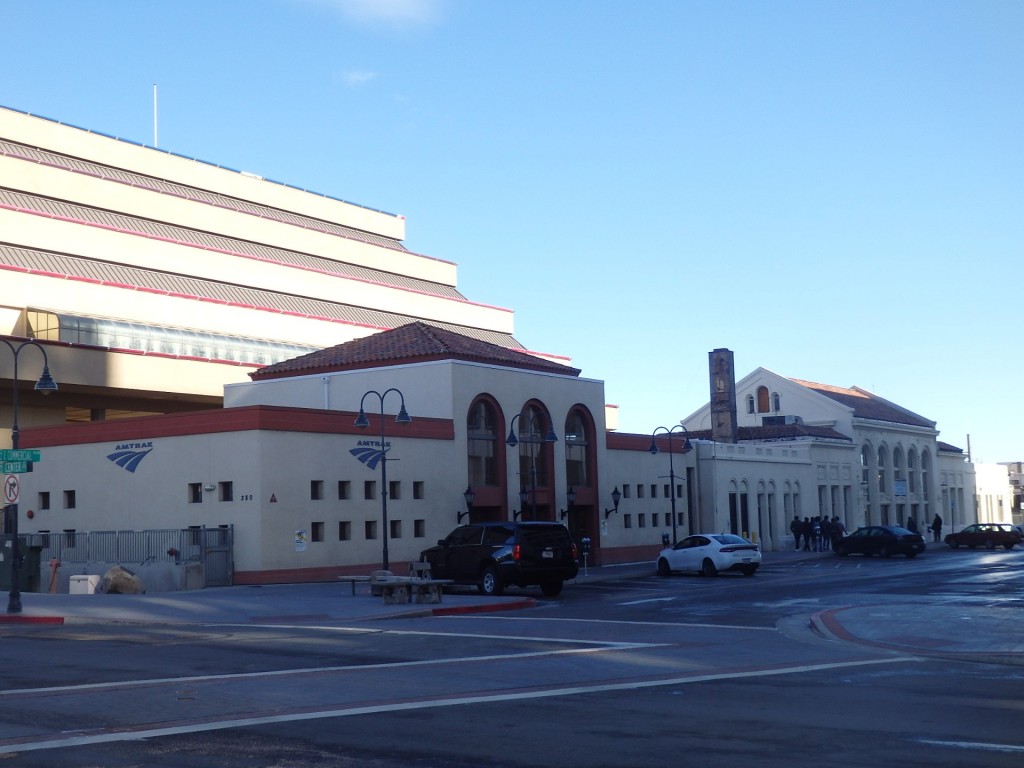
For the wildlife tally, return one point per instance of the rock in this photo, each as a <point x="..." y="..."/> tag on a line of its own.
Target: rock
<point x="120" y="581"/>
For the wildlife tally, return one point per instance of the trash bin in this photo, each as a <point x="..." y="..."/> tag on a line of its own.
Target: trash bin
<point x="84" y="585"/>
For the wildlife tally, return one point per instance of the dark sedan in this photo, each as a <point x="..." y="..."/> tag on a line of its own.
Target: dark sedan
<point x="881" y="540"/>
<point x="987" y="535"/>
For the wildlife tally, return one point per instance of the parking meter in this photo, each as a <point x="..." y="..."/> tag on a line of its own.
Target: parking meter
<point x="585" y="547"/>
<point x="665" y="540"/>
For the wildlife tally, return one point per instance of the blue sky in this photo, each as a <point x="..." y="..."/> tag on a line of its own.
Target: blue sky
<point x="833" y="190"/>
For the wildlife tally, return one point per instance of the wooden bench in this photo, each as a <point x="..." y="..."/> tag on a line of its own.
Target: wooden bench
<point x="353" y="580"/>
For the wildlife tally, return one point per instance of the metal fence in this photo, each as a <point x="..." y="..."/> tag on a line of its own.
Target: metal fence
<point x="213" y="547"/>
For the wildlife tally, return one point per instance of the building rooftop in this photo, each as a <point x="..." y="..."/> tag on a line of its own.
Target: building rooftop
<point x="411" y="343"/>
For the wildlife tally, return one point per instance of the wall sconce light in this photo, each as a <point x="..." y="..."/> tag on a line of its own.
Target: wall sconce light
<point x="468" y="495"/>
<point x="616" y="498"/>
<point x="209" y="487"/>
<point x="570" y="497"/>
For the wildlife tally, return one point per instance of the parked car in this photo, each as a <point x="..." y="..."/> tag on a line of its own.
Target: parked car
<point x="709" y="554"/>
<point x="496" y="555"/>
<point x="881" y="540"/>
<point x="987" y="535"/>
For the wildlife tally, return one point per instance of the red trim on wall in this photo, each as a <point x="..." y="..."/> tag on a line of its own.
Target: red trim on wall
<point x="309" y="575"/>
<point x="638" y="554"/>
<point x="253" y="417"/>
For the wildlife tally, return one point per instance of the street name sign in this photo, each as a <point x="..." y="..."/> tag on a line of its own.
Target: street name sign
<point x="10" y="454"/>
<point x="13" y="467"/>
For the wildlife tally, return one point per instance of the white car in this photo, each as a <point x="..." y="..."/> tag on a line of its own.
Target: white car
<point x="709" y="553"/>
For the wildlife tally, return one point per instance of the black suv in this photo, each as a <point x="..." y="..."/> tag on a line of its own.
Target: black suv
<point x="495" y="555"/>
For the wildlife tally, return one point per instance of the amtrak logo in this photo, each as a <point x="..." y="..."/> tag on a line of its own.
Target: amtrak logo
<point x="128" y="456"/>
<point x="370" y="452"/>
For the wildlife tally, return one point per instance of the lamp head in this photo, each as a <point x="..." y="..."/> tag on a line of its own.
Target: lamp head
<point x="616" y="497"/>
<point x="403" y="416"/>
<point x="654" y="450"/>
<point x="46" y="384"/>
<point x="361" y="420"/>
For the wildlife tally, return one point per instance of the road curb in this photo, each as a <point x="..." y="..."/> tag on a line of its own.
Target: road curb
<point x="19" y="619"/>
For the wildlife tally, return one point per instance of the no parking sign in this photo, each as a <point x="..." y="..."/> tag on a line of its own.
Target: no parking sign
<point x="11" y="489"/>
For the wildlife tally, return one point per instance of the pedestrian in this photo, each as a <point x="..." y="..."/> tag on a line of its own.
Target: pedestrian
<point x="795" y="529"/>
<point x="838" y="530"/>
<point x="816" y="528"/>
<point x="936" y="528"/>
<point x="826" y="534"/>
<point x="807" y="530"/>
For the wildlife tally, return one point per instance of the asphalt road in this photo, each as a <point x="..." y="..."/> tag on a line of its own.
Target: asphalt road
<point x="633" y="672"/>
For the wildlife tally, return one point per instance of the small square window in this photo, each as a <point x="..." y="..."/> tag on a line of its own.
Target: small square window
<point x="70" y="500"/>
<point x="370" y="529"/>
<point x="639" y="491"/>
<point x="654" y="519"/>
<point x="317" y="531"/>
<point x="344" y="531"/>
<point x="344" y="490"/>
<point x="396" y="528"/>
<point x="419" y="529"/>
<point x="370" y="489"/>
<point x="195" y="493"/>
<point x="627" y="521"/>
<point x="44" y="499"/>
<point x="654" y="491"/>
<point x="417" y="489"/>
<point x="641" y="520"/>
<point x="666" y="492"/>
<point x="227" y="490"/>
<point x="627" y="491"/>
<point x="395" y="490"/>
<point x="316" y="490"/>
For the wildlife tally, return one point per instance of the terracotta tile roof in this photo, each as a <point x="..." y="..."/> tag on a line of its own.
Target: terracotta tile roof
<point x="868" y="406"/>
<point x="411" y="343"/>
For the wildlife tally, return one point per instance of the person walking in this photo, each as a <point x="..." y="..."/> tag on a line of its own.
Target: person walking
<point x="936" y="528"/>
<point x="795" y="528"/>
<point x="826" y="533"/>
<point x="838" y="530"/>
<point x="807" y="530"/>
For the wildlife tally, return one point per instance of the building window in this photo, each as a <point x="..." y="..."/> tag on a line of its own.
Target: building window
<point x="776" y="402"/>
<point x="762" y="399"/>
<point x="627" y="491"/>
<point x="70" y="502"/>
<point x="396" y="528"/>
<point x="70" y="539"/>
<point x="417" y="489"/>
<point x="317" y="531"/>
<point x="419" y="529"/>
<point x="370" y="529"/>
<point x="481" y="443"/>
<point x="627" y="520"/>
<point x="639" y="491"/>
<point x="344" y="490"/>
<point x="654" y="491"/>
<point x="316" y="490"/>
<point x="227" y="491"/>
<point x="750" y="403"/>
<point x="195" y="493"/>
<point x="534" y="450"/>
<point x="370" y="490"/>
<point x="344" y="530"/>
<point x="395" y="489"/>
<point x="44" y="500"/>
<point x="576" y="445"/>
<point x="654" y="519"/>
<point x="641" y="520"/>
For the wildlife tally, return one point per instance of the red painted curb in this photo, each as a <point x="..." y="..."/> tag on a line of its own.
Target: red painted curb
<point x="527" y="602"/>
<point x="16" y="619"/>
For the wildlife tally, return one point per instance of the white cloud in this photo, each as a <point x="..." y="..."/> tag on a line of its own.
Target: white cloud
<point x="390" y="12"/>
<point x="356" y="77"/>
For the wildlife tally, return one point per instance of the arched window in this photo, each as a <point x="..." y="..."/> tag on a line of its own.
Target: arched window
<point x="776" y="402"/>
<point x="897" y="463"/>
<point x="762" y="399"/>
<point x="534" y="451"/>
<point x="926" y="468"/>
<point x="883" y="459"/>
<point x="750" y="403"/>
<point x="865" y="464"/>
<point x="912" y="470"/>
<point x="577" y="440"/>
<point x="482" y="442"/>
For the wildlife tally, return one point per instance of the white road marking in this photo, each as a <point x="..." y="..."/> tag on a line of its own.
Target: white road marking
<point x="973" y="745"/>
<point x="649" y="600"/>
<point x="698" y="625"/>
<point x="123" y="734"/>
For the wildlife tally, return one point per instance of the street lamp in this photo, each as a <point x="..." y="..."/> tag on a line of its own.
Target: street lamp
<point x="512" y="441"/>
<point x="616" y="498"/>
<point x="46" y="385"/>
<point x="361" y="421"/>
<point x="570" y="497"/>
<point x="671" y="469"/>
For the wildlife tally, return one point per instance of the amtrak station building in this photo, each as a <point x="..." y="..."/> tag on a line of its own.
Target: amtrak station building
<point x="239" y="356"/>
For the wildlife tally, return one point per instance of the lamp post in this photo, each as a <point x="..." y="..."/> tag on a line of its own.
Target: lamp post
<point x="512" y="441"/>
<point x="671" y="469"/>
<point x="570" y="498"/>
<point x="363" y="422"/>
<point x="616" y="498"/>
<point x="46" y="385"/>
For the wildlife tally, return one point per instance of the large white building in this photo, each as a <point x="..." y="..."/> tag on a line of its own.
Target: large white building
<point x="159" y="285"/>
